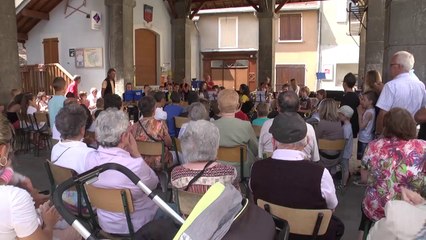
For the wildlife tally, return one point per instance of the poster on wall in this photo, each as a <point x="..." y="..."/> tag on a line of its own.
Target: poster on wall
<point x="95" y="19"/>
<point x="79" y="57"/>
<point x="148" y="12"/>
<point x="93" y="57"/>
<point x="328" y="70"/>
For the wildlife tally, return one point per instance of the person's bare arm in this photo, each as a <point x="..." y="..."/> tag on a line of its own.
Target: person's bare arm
<point x="50" y="217"/>
<point x="420" y="115"/>
<point x="379" y="122"/>
<point x="363" y="122"/>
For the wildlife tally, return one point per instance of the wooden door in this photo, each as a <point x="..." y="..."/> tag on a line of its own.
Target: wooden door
<point x="229" y="78"/>
<point x="145" y="57"/>
<point x="286" y="72"/>
<point x="50" y="50"/>
<point x="217" y="76"/>
<point x="241" y="77"/>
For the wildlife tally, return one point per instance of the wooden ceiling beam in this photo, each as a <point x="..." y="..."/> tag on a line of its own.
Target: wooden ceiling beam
<point x="280" y="5"/>
<point x="35" y="14"/>
<point x="254" y="5"/>
<point x="194" y="12"/>
<point x="22" y="36"/>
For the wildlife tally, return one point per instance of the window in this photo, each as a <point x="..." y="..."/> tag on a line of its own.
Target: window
<point x="228" y="32"/>
<point x="291" y="27"/>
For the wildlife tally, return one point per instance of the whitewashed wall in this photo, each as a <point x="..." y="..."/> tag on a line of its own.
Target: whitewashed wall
<point x="72" y="32"/>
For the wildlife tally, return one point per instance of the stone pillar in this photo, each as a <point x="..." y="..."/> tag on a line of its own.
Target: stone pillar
<point x="120" y="41"/>
<point x="9" y="61"/>
<point x="405" y="30"/>
<point x="181" y="43"/>
<point x="374" y="47"/>
<point x="267" y="37"/>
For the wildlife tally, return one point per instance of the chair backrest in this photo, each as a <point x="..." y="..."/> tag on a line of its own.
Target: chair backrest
<point x="179" y="121"/>
<point x="312" y="222"/>
<point x="257" y="130"/>
<point x="109" y="199"/>
<point x="151" y="148"/>
<point x="336" y="145"/>
<point x="41" y="117"/>
<point x="178" y="145"/>
<point x="187" y="201"/>
<point x="237" y="154"/>
<point x="58" y="174"/>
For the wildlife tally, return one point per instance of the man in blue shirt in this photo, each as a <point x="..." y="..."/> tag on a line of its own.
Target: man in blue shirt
<point x="173" y="110"/>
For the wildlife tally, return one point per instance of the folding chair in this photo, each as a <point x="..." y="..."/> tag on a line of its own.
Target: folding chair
<point x="186" y="201"/>
<point x="156" y="149"/>
<point x="257" y="130"/>
<point x="112" y="200"/>
<point x="310" y="222"/>
<point x="43" y="132"/>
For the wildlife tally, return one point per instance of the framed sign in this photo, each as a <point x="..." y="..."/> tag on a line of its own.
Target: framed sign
<point x="88" y="57"/>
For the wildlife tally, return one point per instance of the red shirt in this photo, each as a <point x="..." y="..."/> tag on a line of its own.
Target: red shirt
<point x="242" y="116"/>
<point x="73" y="88"/>
<point x="210" y="85"/>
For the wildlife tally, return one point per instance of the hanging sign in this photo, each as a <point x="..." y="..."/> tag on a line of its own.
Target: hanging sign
<point x="95" y="18"/>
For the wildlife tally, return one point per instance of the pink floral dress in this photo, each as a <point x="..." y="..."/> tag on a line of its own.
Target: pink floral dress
<point x="392" y="163"/>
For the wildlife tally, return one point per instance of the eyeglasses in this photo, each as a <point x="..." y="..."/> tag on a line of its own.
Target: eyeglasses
<point x="392" y="64"/>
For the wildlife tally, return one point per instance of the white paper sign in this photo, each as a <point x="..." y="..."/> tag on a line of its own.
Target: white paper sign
<point x="95" y="19"/>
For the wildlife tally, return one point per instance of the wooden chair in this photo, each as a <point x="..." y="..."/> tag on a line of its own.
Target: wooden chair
<point x="257" y="130"/>
<point x="156" y="149"/>
<point x="44" y="132"/>
<point x="186" y="201"/>
<point x="237" y="154"/>
<point x="178" y="148"/>
<point x="336" y="145"/>
<point x="179" y="121"/>
<point x="58" y="175"/>
<point x="25" y="131"/>
<point x="112" y="200"/>
<point x="311" y="222"/>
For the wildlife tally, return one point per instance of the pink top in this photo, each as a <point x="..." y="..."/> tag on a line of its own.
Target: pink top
<point x="73" y="88"/>
<point x="145" y="208"/>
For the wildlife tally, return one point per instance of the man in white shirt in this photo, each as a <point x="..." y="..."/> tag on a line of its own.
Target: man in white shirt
<point x="288" y="102"/>
<point x="287" y="179"/>
<point x="405" y="90"/>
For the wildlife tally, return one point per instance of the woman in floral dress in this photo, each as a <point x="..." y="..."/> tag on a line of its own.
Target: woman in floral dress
<point x="149" y="129"/>
<point x="394" y="161"/>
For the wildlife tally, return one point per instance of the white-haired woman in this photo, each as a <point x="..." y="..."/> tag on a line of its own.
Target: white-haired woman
<point x="117" y="145"/>
<point x="200" y="143"/>
<point x="196" y="111"/>
<point x="93" y="97"/>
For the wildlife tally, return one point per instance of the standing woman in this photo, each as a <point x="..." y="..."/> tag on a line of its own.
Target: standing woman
<point x="108" y="85"/>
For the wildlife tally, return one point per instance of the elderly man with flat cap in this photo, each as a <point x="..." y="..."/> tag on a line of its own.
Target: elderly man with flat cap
<point x="287" y="179"/>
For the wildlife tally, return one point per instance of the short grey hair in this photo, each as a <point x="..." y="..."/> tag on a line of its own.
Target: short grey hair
<point x="405" y="60"/>
<point x="197" y="111"/>
<point x="200" y="141"/>
<point x="110" y="125"/>
<point x="299" y="144"/>
<point x="70" y="119"/>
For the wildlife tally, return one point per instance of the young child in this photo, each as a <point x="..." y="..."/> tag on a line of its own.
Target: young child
<point x="345" y="114"/>
<point x="83" y="99"/>
<point x="366" y="119"/>
<point x="160" y="99"/>
<point x="55" y="104"/>
<point x="305" y="103"/>
<point x="262" y="112"/>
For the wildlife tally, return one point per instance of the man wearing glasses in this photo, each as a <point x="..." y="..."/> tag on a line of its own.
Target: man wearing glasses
<point x="405" y="90"/>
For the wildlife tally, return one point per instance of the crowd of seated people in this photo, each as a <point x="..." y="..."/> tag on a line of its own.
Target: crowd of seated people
<point x="284" y="156"/>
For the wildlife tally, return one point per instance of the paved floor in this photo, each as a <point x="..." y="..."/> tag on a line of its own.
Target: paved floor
<point x="348" y="209"/>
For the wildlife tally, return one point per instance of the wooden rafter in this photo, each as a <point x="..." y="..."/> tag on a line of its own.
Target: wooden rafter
<point x="22" y="37"/>
<point x="172" y="8"/>
<point x="35" y="14"/>
<point x="254" y="5"/>
<point x="196" y="10"/>
<point x="280" y="5"/>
